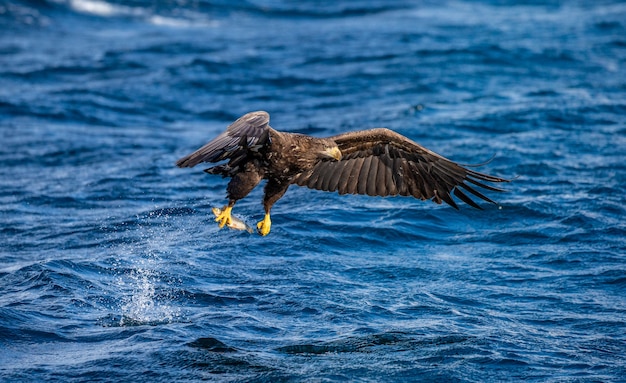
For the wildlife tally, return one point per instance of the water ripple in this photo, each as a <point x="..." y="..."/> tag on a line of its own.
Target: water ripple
<point x="113" y="269"/>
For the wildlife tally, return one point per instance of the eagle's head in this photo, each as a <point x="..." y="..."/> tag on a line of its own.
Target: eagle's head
<point x="329" y="150"/>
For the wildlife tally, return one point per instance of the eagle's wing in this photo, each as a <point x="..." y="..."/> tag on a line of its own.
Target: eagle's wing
<point x="381" y="162"/>
<point x="249" y="131"/>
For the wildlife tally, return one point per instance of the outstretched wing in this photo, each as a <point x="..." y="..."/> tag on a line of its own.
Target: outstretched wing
<point x="381" y="162"/>
<point x="249" y="131"/>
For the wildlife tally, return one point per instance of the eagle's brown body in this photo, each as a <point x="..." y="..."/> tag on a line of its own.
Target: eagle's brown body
<point x="376" y="162"/>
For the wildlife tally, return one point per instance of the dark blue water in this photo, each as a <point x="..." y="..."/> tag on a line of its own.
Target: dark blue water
<point x="112" y="269"/>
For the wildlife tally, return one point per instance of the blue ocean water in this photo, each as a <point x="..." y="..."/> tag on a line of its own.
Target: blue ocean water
<point x="112" y="269"/>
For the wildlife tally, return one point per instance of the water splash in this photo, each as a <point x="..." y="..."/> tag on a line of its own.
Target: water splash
<point x="148" y="288"/>
<point x="144" y="304"/>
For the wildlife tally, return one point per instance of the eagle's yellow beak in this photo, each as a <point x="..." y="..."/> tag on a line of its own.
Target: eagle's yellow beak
<point x="333" y="152"/>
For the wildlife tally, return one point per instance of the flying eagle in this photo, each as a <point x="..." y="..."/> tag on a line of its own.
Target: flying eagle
<point x="376" y="162"/>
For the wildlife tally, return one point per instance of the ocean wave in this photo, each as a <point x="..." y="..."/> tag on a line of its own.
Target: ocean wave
<point x="112" y="267"/>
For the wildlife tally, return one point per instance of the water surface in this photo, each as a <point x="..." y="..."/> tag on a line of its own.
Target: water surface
<point x="112" y="269"/>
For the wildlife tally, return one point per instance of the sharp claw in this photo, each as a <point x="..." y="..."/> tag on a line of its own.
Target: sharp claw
<point x="224" y="217"/>
<point x="264" y="226"/>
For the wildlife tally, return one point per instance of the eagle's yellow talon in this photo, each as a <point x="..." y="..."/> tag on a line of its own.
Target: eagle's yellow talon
<point x="264" y="226"/>
<point x="224" y="217"/>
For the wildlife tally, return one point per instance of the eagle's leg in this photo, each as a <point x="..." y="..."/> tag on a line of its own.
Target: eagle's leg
<point x="224" y="218"/>
<point x="264" y="226"/>
<point x="273" y="192"/>
<point x="239" y="186"/>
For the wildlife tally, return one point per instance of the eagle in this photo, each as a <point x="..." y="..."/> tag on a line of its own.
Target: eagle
<point x="374" y="162"/>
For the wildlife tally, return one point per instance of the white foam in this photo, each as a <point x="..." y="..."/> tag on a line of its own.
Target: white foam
<point x="180" y="22"/>
<point x="168" y="21"/>
<point x="102" y="8"/>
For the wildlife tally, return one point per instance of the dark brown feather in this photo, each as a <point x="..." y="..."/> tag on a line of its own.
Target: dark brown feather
<point x="382" y="162"/>
<point x="333" y="183"/>
<point x="381" y="175"/>
<point x="372" y="181"/>
<point x="342" y="186"/>
<point x="353" y="179"/>
<point x="375" y="162"/>
<point x="364" y="176"/>
<point x="252" y="128"/>
<point x="325" y="184"/>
